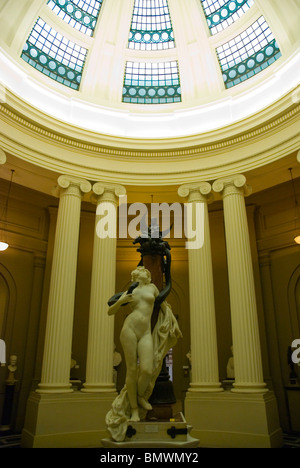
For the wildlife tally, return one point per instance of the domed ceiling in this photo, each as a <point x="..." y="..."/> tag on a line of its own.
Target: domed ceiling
<point x="151" y="68"/>
<point x="150" y="90"/>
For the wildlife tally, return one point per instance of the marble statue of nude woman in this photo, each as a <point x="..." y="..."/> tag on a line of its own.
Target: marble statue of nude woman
<point x="144" y="350"/>
<point x="136" y="338"/>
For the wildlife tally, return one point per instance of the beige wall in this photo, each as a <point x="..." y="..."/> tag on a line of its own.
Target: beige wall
<point x="279" y="264"/>
<point x="22" y="271"/>
<point x="27" y="263"/>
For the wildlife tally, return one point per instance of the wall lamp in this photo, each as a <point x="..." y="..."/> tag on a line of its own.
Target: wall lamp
<point x="3" y="234"/>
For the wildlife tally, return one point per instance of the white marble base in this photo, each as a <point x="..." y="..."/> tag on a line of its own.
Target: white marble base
<point x="156" y="434"/>
<point x="189" y="443"/>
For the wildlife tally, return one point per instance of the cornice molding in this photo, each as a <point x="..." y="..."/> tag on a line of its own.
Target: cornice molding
<point x="187" y="152"/>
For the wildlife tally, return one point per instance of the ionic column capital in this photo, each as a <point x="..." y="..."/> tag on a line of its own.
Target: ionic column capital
<point x="104" y="191"/>
<point x="298" y="156"/>
<point x="197" y="191"/>
<point x="71" y="185"/>
<point x="2" y="157"/>
<point x="232" y="185"/>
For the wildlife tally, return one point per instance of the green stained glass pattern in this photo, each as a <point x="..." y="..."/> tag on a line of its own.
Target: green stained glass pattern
<point x="222" y="13"/>
<point x="151" y="27"/>
<point x="54" y="55"/>
<point x="151" y="83"/>
<point x="81" y="15"/>
<point x="248" y="53"/>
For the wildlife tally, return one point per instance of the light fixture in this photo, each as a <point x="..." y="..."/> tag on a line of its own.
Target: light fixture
<point x="297" y="216"/>
<point x="3" y="243"/>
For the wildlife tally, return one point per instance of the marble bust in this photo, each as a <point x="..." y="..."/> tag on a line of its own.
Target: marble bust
<point x="230" y="366"/>
<point x="12" y="367"/>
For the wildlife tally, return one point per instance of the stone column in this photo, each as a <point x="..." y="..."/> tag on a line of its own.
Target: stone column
<point x="205" y="372"/>
<point x="245" y="331"/>
<point x="59" y="327"/>
<point x="99" y="366"/>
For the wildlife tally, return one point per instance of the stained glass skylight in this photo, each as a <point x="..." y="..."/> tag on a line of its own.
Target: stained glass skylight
<point x="80" y="14"/>
<point x="54" y="55"/>
<point x="248" y="53"/>
<point x="151" y="27"/>
<point x="151" y="83"/>
<point x="222" y="13"/>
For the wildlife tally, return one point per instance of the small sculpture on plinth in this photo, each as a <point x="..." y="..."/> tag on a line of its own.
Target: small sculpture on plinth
<point x="230" y="372"/>
<point x="12" y="367"/>
<point x="230" y="366"/>
<point x="74" y="380"/>
<point x="8" y="405"/>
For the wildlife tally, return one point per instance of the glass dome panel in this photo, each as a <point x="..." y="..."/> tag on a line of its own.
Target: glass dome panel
<point x="248" y="53"/>
<point x="81" y="15"/>
<point x="222" y="13"/>
<point x="151" y="83"/>
<point x="54" y="55"/>
<point x="151" y="27"/>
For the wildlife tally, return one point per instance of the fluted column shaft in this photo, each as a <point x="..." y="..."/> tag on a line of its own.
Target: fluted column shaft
<point x="205" y="371"/>
<point x="99" y="366"/>
<point x="59" y="328"/>
<point x="245" y="330"/>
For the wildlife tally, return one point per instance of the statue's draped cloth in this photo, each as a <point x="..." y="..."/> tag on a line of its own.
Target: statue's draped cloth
<point x="165" y="335"/>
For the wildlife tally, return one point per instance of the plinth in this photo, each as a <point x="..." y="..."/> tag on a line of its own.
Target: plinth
<point x="8" y="406"/>
<point x="173" y="433"/>
<point x="234" y="420"/>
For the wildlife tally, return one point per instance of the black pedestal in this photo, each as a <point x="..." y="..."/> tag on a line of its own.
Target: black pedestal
<point x="7" y="408"/>
<point x="163" y="393"/>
